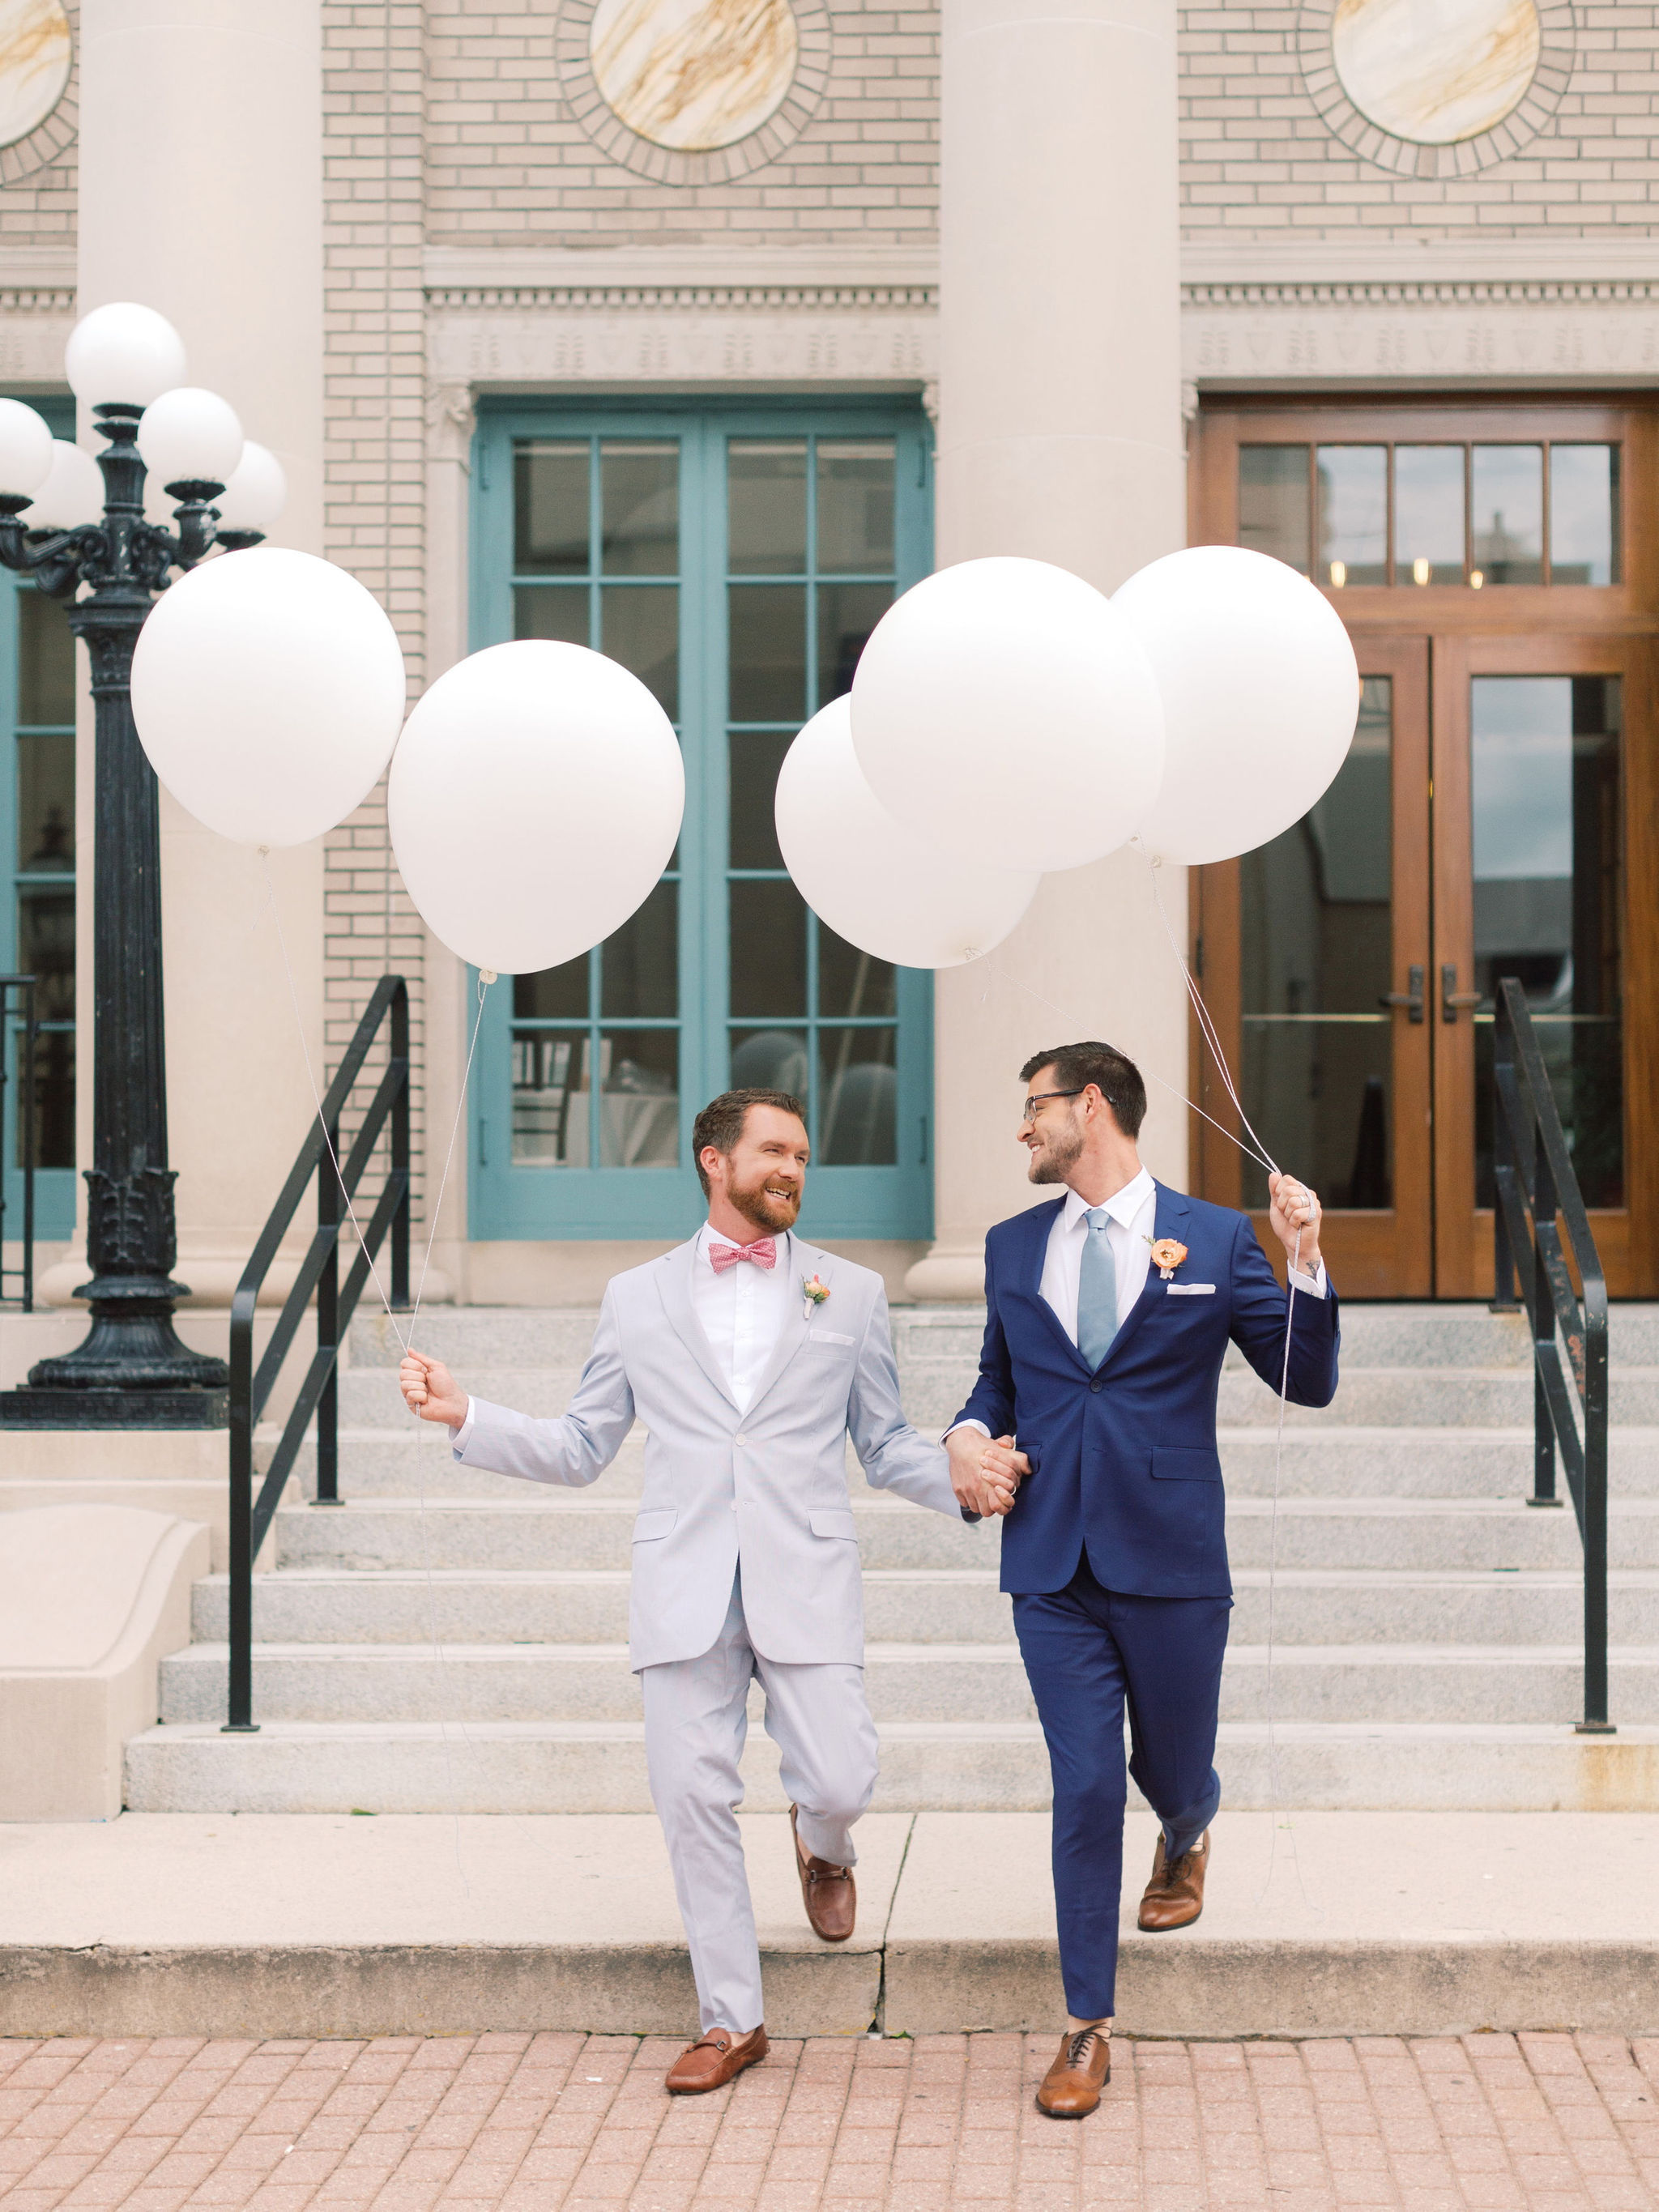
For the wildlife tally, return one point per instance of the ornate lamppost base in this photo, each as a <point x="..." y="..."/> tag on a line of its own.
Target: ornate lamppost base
<point x="35" y="1408"/>
<point x="131" y="1371"/>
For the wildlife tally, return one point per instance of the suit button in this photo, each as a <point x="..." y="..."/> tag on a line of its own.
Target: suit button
<point x="1094" y="1386"/>
<point x="739" y="1440"/>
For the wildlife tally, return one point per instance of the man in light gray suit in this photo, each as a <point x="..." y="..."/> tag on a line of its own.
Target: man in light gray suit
<point x="750" y="1356"/>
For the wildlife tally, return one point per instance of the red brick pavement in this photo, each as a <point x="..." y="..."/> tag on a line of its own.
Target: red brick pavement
<point x="581" y="2124"/>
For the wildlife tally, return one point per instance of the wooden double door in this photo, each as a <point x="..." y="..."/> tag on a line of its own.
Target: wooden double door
<point x="1497" y="816"/>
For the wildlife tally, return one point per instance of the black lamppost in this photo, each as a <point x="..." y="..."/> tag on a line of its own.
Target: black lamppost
<point x="131" y="1370"/>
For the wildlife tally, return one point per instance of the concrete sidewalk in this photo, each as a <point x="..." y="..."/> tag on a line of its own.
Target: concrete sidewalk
<point x="316" y="1925"/>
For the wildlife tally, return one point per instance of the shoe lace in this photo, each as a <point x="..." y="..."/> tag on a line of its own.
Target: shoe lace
<point x="1078" y="2049"/>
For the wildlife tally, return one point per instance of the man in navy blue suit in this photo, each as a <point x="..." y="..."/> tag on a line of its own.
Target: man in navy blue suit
<point x="1110" y="1314"/>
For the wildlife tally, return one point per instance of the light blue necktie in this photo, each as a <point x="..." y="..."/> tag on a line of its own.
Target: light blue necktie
<point x="1097" y="1291"/>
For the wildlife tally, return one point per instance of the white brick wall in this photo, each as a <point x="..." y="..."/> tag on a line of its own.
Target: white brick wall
<point x="1257" y="161"/>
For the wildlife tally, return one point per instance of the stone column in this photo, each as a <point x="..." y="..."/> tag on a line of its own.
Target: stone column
<point x="1060" y="438"/>
<point x="201" y="195"/>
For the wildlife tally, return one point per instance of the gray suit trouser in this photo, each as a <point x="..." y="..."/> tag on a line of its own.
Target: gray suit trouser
<point x="696" y="1719"/>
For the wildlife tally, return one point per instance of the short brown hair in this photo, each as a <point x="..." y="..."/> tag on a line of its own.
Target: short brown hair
<point x="722" y="1122"/>
<point x="1113" y="1072"/>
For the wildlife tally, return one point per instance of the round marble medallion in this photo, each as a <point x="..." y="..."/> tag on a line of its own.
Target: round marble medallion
<point x="1434" y="72"/>
<point x="36" y="50"/>
<point x="694" y="75"/>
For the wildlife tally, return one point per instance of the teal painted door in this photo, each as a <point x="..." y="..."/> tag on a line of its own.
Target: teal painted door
<point x="736" y="562"/>
<point x="37" y="882"/>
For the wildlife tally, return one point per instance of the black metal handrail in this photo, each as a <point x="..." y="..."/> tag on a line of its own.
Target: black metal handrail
<point x="28" y="1030"/>
<point x="1538" y="1195"/>
<point x="319" y="1275"/>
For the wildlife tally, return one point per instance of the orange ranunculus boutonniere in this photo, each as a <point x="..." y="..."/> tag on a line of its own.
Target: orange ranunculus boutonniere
<point x="1167" y="1254"/>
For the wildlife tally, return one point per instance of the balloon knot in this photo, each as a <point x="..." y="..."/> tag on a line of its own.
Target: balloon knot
<point x="486" y="974"/>
<point x="264" y="852"/>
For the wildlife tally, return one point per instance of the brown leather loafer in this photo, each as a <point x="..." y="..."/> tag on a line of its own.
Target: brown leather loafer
<point x="830" y="1894"/>
<point x="711" y="2062"/>
<point x="1174" y="1896"/>
<point x="1071" y="2088"/>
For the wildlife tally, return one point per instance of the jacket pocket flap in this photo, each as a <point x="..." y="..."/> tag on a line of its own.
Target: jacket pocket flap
<point x="1186" y="1463"/>
<point x="828" y="1336"/>
<point x="1190" y="1290"/>
<point x="649" y="1525"/>
<point x="836" y="1522"/>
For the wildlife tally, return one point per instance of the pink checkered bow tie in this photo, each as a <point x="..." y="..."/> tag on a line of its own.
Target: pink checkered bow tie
<point x="763" y="1252"/>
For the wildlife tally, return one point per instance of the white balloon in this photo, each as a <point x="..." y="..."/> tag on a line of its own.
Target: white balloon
<point x="25" y="449"/>
<point x="535" y="798"/>
<point x="268" y="688"/>
<point x="190" y="437"/>
<point x="877" y="885"/>
<point x="1004" y="709"/>
<point x="123" y="355"/>
<point x="72" y="494"/>
<point x="1260" y="695"/>
<point x="256" y="492"/>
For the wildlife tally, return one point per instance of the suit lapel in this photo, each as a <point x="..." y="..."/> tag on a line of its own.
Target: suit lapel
<point x="801" y="1261"/>
<point x="674" y="1282"/>
<point x="1170" y="1210"/>
<point x="1042" y="1220"/>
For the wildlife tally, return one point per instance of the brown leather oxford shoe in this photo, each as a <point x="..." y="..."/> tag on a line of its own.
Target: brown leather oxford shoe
<point x="829" y="1893"/>
<point x="711" y="2062"/>
<point x="1174" y="1897"/>
<point x="1071" y="2088"/>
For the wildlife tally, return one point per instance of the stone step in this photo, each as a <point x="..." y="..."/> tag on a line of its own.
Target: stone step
<point x="535" y="1766"/>
<point x="577" y="1529"/>
<point x="1373" y="1335"/>
<point x="1438" y="1397"/>
<point x="984" y="1682"/>
<point x="958" y="1606"/>
<point x="1345" y="1461"/>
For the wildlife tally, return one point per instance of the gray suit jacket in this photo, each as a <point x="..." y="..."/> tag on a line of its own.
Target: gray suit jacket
<point x="768" y="1486"/>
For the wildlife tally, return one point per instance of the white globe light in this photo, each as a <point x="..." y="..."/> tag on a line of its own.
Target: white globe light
<point x="535" y="800"/>
<point x="190" y="437"/>
<point x="876" y="884"/>
<point x="1260" y="695"/>
<point x="1004" y="709"/>
<point x="25" y="449"/>
<point x="123" y="355"/>
<point x="268" y="688"/>
<point x="72" y="494"/>
<point x="256" y="492"/>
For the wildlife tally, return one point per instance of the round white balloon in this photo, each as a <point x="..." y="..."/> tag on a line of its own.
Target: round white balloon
<point x="876" y="884"/>
<point x="268" y="688"/>
<point x="1260" y="695"/>
<point x="535" y="800"/>
<point x="1005" y="708"/>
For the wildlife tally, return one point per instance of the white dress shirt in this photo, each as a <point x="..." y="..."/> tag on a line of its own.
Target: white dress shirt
<point x="1130" y="1214"/>
<point x="742" y="1309"/>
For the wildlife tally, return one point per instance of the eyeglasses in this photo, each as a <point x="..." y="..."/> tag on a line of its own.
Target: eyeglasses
<point x="1033" y="1103"/>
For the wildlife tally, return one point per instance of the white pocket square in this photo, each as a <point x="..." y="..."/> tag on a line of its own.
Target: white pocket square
<point x="1191" y="1289"/>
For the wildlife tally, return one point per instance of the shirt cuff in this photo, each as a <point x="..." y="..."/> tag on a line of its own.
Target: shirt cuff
<point x="955" y="1425"/>
<point x="458" y="1438"/>
<point x="1313" y="1286"/>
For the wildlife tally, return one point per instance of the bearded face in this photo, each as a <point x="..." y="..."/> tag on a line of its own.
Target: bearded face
<point x="1055" y="1142"/>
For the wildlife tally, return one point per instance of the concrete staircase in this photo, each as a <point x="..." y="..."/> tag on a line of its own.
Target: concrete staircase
<point x="446" y="1640"/>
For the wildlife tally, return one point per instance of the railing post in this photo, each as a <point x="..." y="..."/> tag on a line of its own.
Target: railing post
<point x="1503" y="1159"/>
<point x="400" y="1154"/>
<point x="1540" y="1311"/>
<point x="28" y="1093"/>
<point x="239" y="1701"/>
<point x="330" y="1198"/>
<point x="1595" y="1721"/>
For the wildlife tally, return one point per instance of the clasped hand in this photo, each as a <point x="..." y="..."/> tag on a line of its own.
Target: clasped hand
<point x="430" y="1390"/>
<point x="986" y="1472"/>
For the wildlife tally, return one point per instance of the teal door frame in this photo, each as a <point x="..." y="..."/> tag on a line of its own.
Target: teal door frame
<point x="509" y="1200"/>
<point x="54" y="1187"/>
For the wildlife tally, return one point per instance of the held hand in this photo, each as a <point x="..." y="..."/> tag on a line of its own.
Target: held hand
<point x="1001" y="1463"/>
<point x="429" y="1390"/>
<point x="977" y="1492"/>
<point x="1296" y="1218"/>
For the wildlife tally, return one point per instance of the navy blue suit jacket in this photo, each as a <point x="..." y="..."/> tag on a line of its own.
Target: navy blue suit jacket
<point x="1125" y="1459"/>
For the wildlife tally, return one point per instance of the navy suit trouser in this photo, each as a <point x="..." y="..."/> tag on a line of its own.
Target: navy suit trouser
<point x="1090" y="1653"/>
